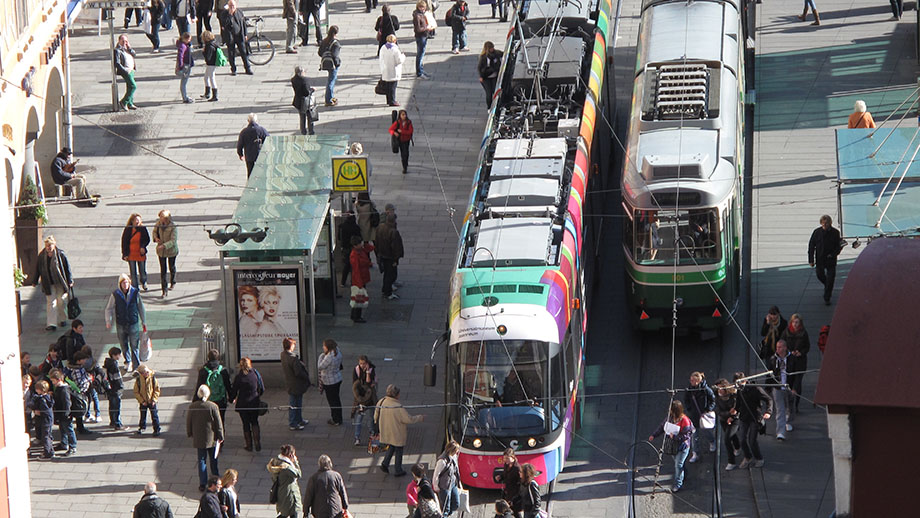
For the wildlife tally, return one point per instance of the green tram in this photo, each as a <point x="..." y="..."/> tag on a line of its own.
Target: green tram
<point x="683" y="174"/>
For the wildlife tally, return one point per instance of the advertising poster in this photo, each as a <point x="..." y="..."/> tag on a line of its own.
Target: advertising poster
<point x="267" y="310"/>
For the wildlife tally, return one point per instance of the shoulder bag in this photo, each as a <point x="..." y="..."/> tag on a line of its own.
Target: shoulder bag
<point x="73" y="305"/>
<point x="671" y="445"/>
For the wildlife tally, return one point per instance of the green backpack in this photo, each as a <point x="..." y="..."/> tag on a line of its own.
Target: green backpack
<point x="216" y="384"/>
<point x="221" y="60"/>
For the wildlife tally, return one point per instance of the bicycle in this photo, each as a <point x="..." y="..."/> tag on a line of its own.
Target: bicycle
<point x="260" y="47"/>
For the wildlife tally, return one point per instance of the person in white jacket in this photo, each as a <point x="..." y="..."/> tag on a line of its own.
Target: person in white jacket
<point x="391" y="61"/>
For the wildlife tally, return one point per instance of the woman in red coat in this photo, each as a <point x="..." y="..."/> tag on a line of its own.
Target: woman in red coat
<point x="360" y="260"/>
<point x="402" y="129"/>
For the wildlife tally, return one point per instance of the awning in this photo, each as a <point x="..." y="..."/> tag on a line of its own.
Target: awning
<point x="863" y="174"/>
<point x="288" y="192"/>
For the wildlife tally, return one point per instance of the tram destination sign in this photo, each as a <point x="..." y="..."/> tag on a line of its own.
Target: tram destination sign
<point x="115" y="4"/>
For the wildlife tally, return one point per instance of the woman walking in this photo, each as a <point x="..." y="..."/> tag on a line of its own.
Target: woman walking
<point x="184" y="64"/>
<point x="156" y="14"/>
<point x="798" y="344"/>
<point x="402" y="129"/>
<point x="860" y="118"/>
<point x="166" y="237"/>
<point x="210" y="70"/>
<point x="286" y="470"/>
<point x="329" y="366"/>
<point x="360" y="260"/>
<point x="386" y="25"/>
<point x="447" y="478"/>
<point x="330" y="61"/>
<point x="227" y="496"/>
<point x="490" y="61"/>
<point x="245" y="391"/>
<point x="814" y="11"/>
<point x="303" y="100"/>
<point x="391" y="60"/>
<point x="530" y="491"/>
<point x="364" y="389"/>
<point x="134" y="241"/>
<point x="699" y="401"/>
<point x="677" y="418"/>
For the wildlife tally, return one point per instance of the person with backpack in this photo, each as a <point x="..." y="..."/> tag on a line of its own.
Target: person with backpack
<point x="99" y="383"/>
<point x="456" y="18"/>
<point x="329" y="50"/>
<point x="402" y="130"/>
<point x="447" y="478"/>
<point x="82" y="383"/>
<point x="125" y="309"/>
<point x="682" y="434"/>
<point x="63" y="411"/>
<point x="217" y="378"/>
<point x="71" y="342"/>
<point x="490" y="62"/>
<point x="147" y="393"/>
<point x="116" y="387"/>
<point x="246" y="391"/>
<point x="303" y="102"/>
<point x="249" y="143"/>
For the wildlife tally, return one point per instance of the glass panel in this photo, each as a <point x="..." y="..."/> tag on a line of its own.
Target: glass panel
<point x="692" y="234"/>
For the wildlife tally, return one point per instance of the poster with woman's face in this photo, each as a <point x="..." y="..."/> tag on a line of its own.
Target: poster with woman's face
<point x="267" y="310"/>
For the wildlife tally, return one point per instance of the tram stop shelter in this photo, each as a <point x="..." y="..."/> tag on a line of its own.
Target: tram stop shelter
<point x="275" y="284"/>
<point x="878" y="182"/>
<point x="869" y="380"/>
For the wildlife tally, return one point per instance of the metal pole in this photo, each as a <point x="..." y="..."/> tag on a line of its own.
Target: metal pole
<point x="313" y="349"/>
<point x="227" y="300"/>
<point x="68" y="105"/>
<point x="112" y="59"/>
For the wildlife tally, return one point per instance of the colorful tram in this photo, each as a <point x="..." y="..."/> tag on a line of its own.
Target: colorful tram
<point x="515" y="360"/>
<point x="683" y="176"/>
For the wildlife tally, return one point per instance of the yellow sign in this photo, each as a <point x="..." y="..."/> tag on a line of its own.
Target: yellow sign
<point x="350" y="173"/>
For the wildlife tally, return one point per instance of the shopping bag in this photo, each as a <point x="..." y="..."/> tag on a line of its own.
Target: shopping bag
<point x="221" y="60"/>
<point x="464" y="501"/>
<point x="146" y="347"/>
<point x="73" y="306"/>
<point x="708" y="420"/>
<point x="145" y="22"/>
<point x="359" y="298"/>
<point x="381" y="88"/>
<point x="373" y="444"/>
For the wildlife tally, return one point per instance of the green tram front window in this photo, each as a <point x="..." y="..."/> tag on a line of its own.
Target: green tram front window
<point x="690" y="234"/>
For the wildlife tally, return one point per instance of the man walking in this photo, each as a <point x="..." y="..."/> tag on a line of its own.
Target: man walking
<point x="235" y="24"/>
<point x="779" y="364"/>
<point x="209" y="505"/>
<point x="52" y="273"/>
<point x="125" y="309"/>
<point x="823" y="248"/>
<point x="297" y="381"/>
<point x="125" y="67"/>
<point x="754" y="409"/>
<point x="392" y="421"/>
<point x="389" y="249"/>
<point x="289" y="13"/>
<point x="203" y="425"/>
<point x="308" y="9"/>
<point x="249" y="143"/>
<point x="151" y="505"/>
<point x="325" y="496"/>
<point x="216" y="377"/>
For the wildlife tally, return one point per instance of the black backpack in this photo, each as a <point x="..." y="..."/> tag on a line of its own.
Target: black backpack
<point x="375" y="216"/>
<point x="78" y="403"/>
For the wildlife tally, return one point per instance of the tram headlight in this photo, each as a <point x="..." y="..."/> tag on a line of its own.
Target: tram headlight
<point x="531" y="442"/>
<point x="477" y="443"/>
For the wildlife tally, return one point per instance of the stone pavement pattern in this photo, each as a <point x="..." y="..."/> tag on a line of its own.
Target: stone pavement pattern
<point x="106" y="478"/>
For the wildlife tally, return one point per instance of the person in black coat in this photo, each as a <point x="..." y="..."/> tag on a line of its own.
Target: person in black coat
<point x="490" y="61"/>
<point x="727" y="412"/>
<point x="42" y="417"/>
<point x="135" y="255"/>
<point x="246" y="392"/>
<point x="209" y="505"/>
<point x="698" y="400"/>
<point x="386" y="24"/>
<point x="310" y="8"/>
<point x="210" y="61"/>
<point x="220" y="395"/>
<point x="773" y="326"/>
<point x="303" y="93"/>
<point x="52" y="274"/>
<point x="754" y="408"/>
<point x="152" y="505"/>
<point x="798" y="343"/>
<point x="457" y="17"/>
<point x="348" y="228"/>
<point x="156" y="16"/>
<point x="250" y="142"/>
<point x="234" y="26"/>
<point x="203" y="9"/>
<point x="823" y="248"/>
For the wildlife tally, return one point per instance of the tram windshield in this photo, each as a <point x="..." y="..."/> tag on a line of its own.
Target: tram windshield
<point x="505" y="384"/>
<point x="692" y="234"/>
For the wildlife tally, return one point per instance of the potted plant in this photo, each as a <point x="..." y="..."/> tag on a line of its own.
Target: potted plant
<point x="29" y="221"/>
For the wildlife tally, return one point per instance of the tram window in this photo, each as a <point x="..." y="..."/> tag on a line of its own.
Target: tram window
<point x="692" y="235"/>
<point x="557" y="389"/>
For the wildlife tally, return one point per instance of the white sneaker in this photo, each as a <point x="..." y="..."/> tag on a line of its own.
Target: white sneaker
<point x="780" y="436"/>
<point x="730" y="467"/>
<point x="788" y="427"/>
<point x="357" y="442"/>
<point x="393" y="296"/>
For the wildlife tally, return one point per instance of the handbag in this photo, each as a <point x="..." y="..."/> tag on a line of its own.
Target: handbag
<point x="464" y="506"/>
<point x="145" y="22"/>
<point x="145" y="353"/>
<point x="373" y="444"/>
<point x="671" y="445"/>
<point x="73" y="306"/>
<point x="708" y="420"/>
<point x="273" y="492"/>
<point x="380" y="38"/>
<point x="263" y="408"/>
<point x="381" y="88"/>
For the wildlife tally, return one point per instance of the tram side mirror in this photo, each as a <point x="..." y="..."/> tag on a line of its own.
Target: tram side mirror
<point x="431" y="374"/>
<point x="431" y="370"/>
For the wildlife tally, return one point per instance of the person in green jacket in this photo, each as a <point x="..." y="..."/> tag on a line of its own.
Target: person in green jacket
<point x="286" y="470"/>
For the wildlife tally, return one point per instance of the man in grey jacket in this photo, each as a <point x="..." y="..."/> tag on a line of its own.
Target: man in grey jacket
<point x="203" y="425"/>
<point x="325" y="496"/>
<point x="297" y="381"/>
<point x="151" y="505"/>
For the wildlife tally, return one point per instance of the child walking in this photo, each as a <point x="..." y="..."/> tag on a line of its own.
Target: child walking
<point x="147" y="392"/>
